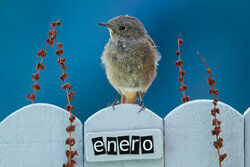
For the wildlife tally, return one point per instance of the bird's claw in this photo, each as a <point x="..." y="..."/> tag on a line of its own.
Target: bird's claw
<point x="142" y="106"/>
<point x="114" y="104"/>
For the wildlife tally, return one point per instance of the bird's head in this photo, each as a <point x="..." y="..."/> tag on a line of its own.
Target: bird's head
<point x="125" y="27"/>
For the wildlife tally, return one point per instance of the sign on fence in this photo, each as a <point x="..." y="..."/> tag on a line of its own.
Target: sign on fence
<point x="34" y="136"/>
<point x="188" y="138"/>
<point x="124" y="137"/>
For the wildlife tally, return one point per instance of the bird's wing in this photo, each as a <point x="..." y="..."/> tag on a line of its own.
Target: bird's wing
<point x="151" y="40"/>
<point x="158" y="55"/>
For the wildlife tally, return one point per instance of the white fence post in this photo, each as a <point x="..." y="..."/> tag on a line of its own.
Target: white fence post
<point x="188" y="138"/>
<point x="124" y="138"/>
<point x="247" y="137"/>
<point x="34" y="136"/>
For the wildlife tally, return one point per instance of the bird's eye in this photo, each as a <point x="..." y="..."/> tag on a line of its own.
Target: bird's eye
<point x="122" y="27"/>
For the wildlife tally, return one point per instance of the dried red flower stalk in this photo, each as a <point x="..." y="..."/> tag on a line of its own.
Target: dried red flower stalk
<point x="66" y="86"/>
<point x="42" y="53"/>
<point x="179" y="63"/>
<point x="218" y="144"/>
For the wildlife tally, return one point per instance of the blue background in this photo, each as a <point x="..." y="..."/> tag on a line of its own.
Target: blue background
<point x="218" y="29"/>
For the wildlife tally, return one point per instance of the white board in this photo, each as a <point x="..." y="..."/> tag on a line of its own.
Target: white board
<point x="125" y="120"/>
<point x="34" y="136"/>
<point x="247" y="137"/>
<point x="188" y="138"/>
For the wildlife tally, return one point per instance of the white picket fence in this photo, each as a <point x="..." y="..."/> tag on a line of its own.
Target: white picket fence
<point x="34" y="136"/>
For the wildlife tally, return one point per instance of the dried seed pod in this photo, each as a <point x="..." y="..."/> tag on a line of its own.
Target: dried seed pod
<point x="184" y="87"/>
<point x="71" y="95"/>
<point x="59" y="52"/>
<point x="71" y="128"/>
<point x="60" y="45"/>
<point x="72" y="118"/>
<point x="50" y="33"/>
<point x="180" y="41"/>
<point x="61" y="61"/>
<point x="181" y="79"/>
<point x="36" y="87"/>
<point x="182" y="73"/>
<point x="177" y="53"/>
<point x="31" y="97"/>
<point x="63" y="76"/>
<point x="69" y="107"/>
<point x="63" y="67"/>
<point x="40" y="66"/>
<point x="70" y="141"/>
<point x="210" y="81"/>
<point x="54" y="24"/>
<point x="178" y="63"/>
<point x="35" y="76"/>
<point x="213" y="91"/>
<point x="66" y="86"/>
<point x="41" y="53"/>
<point x="58" y="23"/>
<point x="216" y="130"/>
<point x="222" y="157"/>
<point x="185" y="99"/>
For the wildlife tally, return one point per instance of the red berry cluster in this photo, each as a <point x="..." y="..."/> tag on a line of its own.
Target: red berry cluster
<point x="218" y="144"/>
<point x="179" y="63"/>
<point x="66" y="86"/>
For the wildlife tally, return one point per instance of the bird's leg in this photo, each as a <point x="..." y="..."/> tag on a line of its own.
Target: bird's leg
<point x="130" y="97"/>
<point x="123" y="99"/>
<point x="116" y="102"/>
<point x="141" y="102"/>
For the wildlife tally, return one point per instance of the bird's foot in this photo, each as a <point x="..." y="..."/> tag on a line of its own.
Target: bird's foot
<point x="114" y="104"/>
<point x="142" y="106"/>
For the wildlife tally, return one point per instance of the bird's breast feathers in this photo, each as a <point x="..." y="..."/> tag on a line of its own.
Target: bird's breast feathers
<point x="130" y="64"/>
<point x="129" y="49"/>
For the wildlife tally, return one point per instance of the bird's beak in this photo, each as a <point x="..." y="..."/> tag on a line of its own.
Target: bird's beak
<point x="104" y="24"/>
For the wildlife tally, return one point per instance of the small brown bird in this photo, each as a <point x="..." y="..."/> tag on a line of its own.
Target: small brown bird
<point x="130" y="58"/>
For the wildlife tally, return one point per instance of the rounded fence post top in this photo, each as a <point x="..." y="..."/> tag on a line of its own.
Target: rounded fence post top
<point x="187" y="105"/>
<point x="124" y="109"/>
<point x="40" y="106"/>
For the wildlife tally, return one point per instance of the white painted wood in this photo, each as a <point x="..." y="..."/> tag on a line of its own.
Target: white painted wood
<point x="34" y="136"/>
<point x="247" y="137"/>
<point x="157" y="145"/>
<point x="188" y="138"/>
<point x="125" y="117"/>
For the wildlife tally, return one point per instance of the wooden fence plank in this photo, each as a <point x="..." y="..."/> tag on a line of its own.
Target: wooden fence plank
<point x="188" y="138"/>
<point x="125" y="121"/>
<point x="34" y="136"/>
<point x="247" y="137"/>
